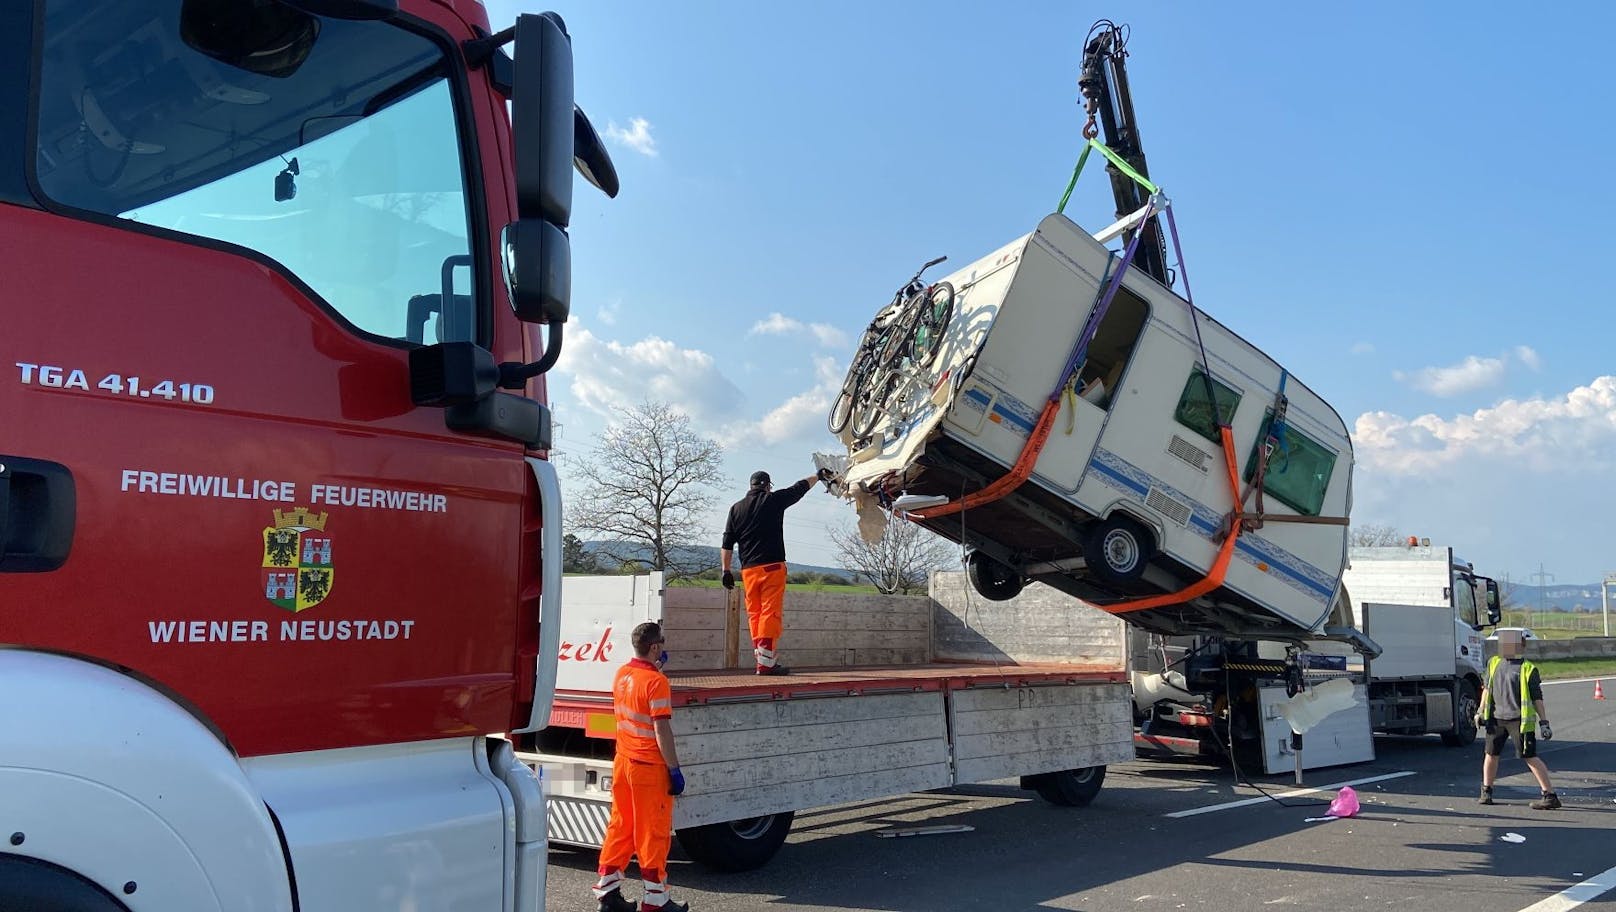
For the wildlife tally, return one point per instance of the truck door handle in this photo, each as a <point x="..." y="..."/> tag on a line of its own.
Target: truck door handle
<point x="38" y="513"/>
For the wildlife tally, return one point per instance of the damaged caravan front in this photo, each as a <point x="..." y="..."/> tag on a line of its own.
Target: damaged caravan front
<point x="1076" y="422"/>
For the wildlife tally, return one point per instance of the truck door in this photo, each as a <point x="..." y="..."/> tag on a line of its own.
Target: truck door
<point x="240" y="228"/>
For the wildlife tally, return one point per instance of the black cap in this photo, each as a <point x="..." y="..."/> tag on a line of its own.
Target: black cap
<point x="760" y="479"/>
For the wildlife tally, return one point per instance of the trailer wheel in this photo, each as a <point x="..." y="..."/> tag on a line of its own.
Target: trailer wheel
<point x="1117" y="549"/>
<point x="1464" y="716"/>
<point x="738" y="845"/>
<point x="39" y="886"/>
<point x="1067" y="788"/>
<point x="992" y="579"/>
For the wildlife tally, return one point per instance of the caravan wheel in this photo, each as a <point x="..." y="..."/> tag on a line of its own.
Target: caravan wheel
<point x="991" y="579"/>
<point x="1117" y="550"/>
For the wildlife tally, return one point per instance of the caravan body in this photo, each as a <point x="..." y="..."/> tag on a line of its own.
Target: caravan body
<point x="1133" y="448"/>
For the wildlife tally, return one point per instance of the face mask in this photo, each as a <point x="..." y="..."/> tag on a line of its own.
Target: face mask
<point x="662" y="659"/>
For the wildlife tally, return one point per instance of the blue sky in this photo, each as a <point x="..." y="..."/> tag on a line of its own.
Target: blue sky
<point x="1404" y="204"/>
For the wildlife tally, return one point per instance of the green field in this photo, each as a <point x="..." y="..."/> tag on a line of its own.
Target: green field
<point x="843" y="589"/>
<point x="1556" y="625"/>
<point x="1577" y="668"/>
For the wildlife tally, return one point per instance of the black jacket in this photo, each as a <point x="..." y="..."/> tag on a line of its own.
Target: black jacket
<point x="757" y="524"/>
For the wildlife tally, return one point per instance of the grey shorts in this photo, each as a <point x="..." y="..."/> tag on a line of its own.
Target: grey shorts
<point x="1502" y="730"/>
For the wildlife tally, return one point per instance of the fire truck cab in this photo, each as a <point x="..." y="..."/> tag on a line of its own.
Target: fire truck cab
<point x="279" y="541"/>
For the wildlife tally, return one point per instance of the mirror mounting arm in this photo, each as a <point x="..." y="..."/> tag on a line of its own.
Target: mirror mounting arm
<point x="515" y="376"/>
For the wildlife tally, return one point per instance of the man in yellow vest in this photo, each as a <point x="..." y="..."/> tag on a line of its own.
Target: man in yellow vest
<point x="1512" y="708"/>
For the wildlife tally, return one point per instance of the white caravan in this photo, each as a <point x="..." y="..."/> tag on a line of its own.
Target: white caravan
<point x="1131" y="495"/>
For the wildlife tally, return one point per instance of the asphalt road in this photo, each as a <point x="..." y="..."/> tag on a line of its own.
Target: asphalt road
<point x="1420" y="842"/>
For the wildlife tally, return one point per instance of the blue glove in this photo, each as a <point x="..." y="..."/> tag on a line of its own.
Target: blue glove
<point x="729" y="580"/>
<point x="1544" y="731"/>
<point x="677" y="786"/>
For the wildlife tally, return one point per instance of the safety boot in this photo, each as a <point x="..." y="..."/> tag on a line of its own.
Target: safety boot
<point x="669" y="906"/>
<point x="1549" y="802"/>
<point x="1486" y="795"/>
<point x="774" y="671"/>
<point x="615" y="902"/>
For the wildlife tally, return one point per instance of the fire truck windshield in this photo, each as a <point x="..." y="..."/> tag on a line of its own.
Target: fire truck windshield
<point x="330" y="146"/>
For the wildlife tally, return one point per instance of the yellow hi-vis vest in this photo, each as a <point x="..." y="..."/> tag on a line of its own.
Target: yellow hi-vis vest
<point x="1528" y="711"/>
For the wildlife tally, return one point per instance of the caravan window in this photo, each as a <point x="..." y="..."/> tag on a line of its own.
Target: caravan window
<point x="1298" y="470"/>
<point x="1195" y="412"/>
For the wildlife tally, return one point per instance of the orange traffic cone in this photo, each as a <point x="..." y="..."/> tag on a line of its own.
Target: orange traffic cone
<point x="1599" y="690"/>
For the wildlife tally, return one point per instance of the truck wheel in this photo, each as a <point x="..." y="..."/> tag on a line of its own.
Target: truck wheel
<point x="1464" y="716"/>
<point x="1117" y="549"/>
<point x="38" y="886"/>
<point x="738" y="845"/>
<point x="1067" y="788"/>
<point x="992" y="579"/>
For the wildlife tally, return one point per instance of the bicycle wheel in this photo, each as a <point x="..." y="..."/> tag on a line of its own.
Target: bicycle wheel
<point x="927" y="338"/>
<point x="871" y="403"/>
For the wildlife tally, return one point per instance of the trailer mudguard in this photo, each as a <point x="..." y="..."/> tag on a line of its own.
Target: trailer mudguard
<point x="106" y="777"/>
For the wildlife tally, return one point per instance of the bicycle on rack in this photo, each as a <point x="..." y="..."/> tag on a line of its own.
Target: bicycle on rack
<point x="909" y="328"/>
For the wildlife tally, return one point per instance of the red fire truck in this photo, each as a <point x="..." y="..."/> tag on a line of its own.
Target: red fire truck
<point x="279" y="546"/>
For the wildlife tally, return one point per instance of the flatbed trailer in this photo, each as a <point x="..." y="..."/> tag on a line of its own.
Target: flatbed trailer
<point x="921" y="701"/>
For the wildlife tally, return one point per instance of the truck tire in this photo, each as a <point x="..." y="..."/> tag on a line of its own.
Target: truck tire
<point x="1068" y="788"/>
<point x="1117" y="550"/>
<point x="991" y="579"/>
<point x="1466" y="701"/>
<point x="738" y="845"/>
<point x="39" y="886"/>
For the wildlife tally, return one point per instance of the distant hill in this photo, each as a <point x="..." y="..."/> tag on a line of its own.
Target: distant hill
<point x="702" y="555"/>
<point x="1570" y="597"/>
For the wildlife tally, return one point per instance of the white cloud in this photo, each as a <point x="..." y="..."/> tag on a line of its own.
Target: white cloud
<point x="1572" y="433"/>
<point x="1363" y="348"/>
<point x="778" y="324"/>
<point x="1508" y="486"/>
<point x="606" y="375"/>
<point x="802" y="417"/>
<point x="608" y="313"/>
<point x="1469" y="375"/>
<point x="637" y="136"/>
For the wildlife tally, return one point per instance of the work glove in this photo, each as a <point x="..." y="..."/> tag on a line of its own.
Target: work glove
<point x="1480" y="722"/>
<point x="1544" y="731"/>
<point x="729" y="580"/>
<point x="676" y="785"/>
<point x="826" y="475"/>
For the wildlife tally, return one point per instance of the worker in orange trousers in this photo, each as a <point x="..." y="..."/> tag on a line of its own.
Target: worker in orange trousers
<point x="645" y="779"/>
<point x="756" y="526"/>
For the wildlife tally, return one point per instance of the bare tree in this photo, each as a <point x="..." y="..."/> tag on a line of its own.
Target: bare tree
<point x="646" y="488"/>
<point x="899" y="562"/>
<point x="1375" y="535"/>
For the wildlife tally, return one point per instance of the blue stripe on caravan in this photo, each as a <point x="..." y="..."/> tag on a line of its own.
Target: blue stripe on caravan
<point x="1206" y="522"/>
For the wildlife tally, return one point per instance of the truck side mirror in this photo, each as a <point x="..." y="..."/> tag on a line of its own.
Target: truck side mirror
<point x="1495" y="606"/>
<point x="537" y="252"/>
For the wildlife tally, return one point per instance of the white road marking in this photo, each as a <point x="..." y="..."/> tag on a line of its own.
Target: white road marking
<point x="1572" y="897"/>
<point x="1611" y="678"/>
<point x="1295" y="793"/>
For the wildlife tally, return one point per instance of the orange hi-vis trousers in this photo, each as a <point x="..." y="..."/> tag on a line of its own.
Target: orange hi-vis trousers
<point x="765" y="600"/>
<point x="641" y="825"/>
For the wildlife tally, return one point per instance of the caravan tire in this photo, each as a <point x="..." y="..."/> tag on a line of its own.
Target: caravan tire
<point x="1466" y="701"/>
<point x="1118" y="549"/>
<point x="38" y="886"/>
<point x="1068" y="788"/>
<point x="992" y="579"/>
<point x="738" y="845"/>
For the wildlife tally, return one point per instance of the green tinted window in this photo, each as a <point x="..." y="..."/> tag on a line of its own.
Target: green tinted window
<point x="1195" y="412"/>
<point x="1298" y="470"/>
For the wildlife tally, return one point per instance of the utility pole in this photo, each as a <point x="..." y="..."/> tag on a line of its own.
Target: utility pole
<point x="1543" y="588"/>
<point x="1604" y="598"/>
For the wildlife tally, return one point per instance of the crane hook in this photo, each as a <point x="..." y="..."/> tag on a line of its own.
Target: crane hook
<point x="1090" y="128"/>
